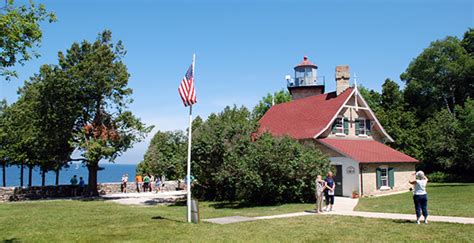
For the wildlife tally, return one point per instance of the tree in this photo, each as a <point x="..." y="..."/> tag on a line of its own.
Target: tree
<point x="3" y="140"/>
<point x="105" y="128"/>
<point x="166" y="155"/>
<point x="465" y="156"/>
<point x="441" y="76"/>
<point x="268" y="101"/>
<point x="20" y="33"/>
<point x="230" y="165"/>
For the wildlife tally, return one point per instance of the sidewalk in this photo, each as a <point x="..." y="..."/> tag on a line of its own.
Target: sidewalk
<point x="345" y="207"/>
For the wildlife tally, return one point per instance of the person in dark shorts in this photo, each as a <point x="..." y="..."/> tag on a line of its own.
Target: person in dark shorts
<point x="82" y="186"/>
<point x="329" y="192"/>
<point x="74" y="185"/>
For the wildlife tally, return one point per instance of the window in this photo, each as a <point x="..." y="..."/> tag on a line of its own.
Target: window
<point x="362" y="126"/>
<point x="384" y="177"/>
<point x="338" y="126"/>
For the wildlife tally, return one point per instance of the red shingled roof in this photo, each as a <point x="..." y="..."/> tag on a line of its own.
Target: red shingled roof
<point x="303" y="118"/>
<point x="306" y="63"/>
<point x="366" y="151"/>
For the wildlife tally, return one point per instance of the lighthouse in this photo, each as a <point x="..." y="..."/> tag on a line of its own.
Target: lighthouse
<point x="306" y="81"/>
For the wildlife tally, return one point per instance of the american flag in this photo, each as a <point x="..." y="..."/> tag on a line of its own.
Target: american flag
<point x="186" y="88"/>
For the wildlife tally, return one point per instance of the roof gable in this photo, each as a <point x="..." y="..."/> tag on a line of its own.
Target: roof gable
<point x="303" y="118"/>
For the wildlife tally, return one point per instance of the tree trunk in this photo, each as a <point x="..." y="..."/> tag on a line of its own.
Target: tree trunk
<point x="93" y="167"/>
<point x="21" y="174"/>
<point x="43" y="177"/>
<point x="4" y="173"/>
<point x="57" y="177"/>
<point x="30" y="174"/>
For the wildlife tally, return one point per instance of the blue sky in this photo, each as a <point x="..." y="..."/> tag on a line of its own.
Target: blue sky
<point x="244" y="48"/>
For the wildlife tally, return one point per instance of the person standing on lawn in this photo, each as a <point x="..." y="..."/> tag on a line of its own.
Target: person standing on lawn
<point x="74" y="185"/>
<point x="138" y="182"/>
<point x="146" y="182"/>
<point x="329" y="192"/>
<point x="320" y="185"/>
<point x="420" y="197"/>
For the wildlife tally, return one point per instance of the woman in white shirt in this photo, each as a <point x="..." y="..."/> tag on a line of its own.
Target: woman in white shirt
<point x="420" y="197"/>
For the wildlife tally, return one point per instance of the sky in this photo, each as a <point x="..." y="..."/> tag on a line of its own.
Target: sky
<point x="245" y="48"/>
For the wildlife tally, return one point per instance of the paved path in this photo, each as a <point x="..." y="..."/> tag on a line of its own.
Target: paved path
<point x="145" y="198"/>
<point x="345" y="207"/>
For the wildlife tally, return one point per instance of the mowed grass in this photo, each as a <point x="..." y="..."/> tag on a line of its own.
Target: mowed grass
<point x="93" y="221"/>
<point x="444" y="199"/>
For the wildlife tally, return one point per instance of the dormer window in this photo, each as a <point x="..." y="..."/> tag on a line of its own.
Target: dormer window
<point x="362" y="127"/>
<point x="340" y="126"/>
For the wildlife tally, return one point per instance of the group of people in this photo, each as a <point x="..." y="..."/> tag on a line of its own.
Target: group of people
<point x="149" y="183"/>
<point x="77" y="186"/>
<point x="325" y="189"/>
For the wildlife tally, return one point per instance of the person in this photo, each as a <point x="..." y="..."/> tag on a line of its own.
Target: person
<point x="329" y="191"/>
<point x="138" y="182"/>
<point x="82" y="186"/>
<point x="157" y="184"/>
<point x="186" y="182"/>
<point x="74" y="185"/>
<point x="152" y="180"/>
<point x="320" y="185"/>
<point x="124" y="183"/>
<point x="420" y="197"/>
<point x="146" y="182"/>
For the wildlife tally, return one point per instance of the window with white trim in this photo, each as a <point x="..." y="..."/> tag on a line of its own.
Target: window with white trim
<point x="362" y="127"/>
<point x="384" y="177"/>
<point x="338" y="126"/>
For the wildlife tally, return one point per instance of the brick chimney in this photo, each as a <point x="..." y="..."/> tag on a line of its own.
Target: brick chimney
<point x="342" y="78"/>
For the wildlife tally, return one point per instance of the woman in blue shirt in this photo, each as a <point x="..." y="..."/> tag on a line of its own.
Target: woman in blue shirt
<point x="329" y="192"/>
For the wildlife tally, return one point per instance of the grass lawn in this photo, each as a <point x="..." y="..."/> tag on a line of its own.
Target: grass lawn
<point x="444" y="199"/>
<point x="65" y="220"/>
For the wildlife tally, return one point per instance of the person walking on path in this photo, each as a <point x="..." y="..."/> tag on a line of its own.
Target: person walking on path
<point x="124" y="183"/>
<point x="329" y="192"/>
<point x="82" y="186"/>
<point x="138" y="182"/>
<point x="320" y="185"/>
<point x="157" y="184"/>
<point x="74" y="185"/>
<point x="146" y="183"/>
<point x="420" y="197"/>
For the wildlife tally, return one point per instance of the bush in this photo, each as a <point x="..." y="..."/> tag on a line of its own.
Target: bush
<point x="228" y="165"/>
<point x="438" y="176"/>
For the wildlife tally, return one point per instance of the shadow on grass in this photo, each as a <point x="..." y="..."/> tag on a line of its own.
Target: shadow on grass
<point x="160" y="218"/>
<point x="238" y="205"/>
<point x="403" y="221"/>
<point x="11" y="240"/>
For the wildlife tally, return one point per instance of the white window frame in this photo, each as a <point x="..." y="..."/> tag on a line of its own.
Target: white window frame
<point x="341" y="128"/>
<point x="384" y="178"/>
<point x="362" y="129"/>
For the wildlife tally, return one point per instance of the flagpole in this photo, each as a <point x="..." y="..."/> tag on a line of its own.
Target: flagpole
<point x="188" y="169"/>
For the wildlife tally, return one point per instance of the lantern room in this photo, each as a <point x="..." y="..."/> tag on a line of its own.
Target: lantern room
<point x="305" y="82"/>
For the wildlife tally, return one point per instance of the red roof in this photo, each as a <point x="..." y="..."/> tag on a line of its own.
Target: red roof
<point x="303" y="118"/>
<point x="306" y="63"/>
<point x="366" y="151"/>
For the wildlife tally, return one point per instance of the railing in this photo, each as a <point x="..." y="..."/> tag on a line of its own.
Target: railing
<point x="300" y="82"/>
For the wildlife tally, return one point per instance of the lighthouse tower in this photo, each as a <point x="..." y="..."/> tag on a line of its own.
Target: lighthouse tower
<point x="305" y="82"/>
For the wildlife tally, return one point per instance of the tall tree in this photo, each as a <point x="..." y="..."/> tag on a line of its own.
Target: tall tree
<point x="20" y="33"/>
<point x="441" y="76"/>
<point x="3" y="140"/>
<point x="104" y="129"/>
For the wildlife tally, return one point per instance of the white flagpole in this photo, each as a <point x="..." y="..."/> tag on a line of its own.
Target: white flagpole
<point x="188" y="173"/>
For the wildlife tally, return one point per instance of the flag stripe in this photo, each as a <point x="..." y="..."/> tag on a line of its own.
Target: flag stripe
<point x="186" y="89"/>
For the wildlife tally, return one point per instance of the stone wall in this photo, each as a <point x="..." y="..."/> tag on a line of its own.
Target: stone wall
<point x="65" y="191"/>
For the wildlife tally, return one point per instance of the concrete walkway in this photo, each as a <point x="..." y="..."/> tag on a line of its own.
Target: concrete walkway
<point x="345" y="207"/>
<point x="145" y="198"/>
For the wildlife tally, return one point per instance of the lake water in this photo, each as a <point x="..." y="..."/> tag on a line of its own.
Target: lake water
<point x="110" y="173"/>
